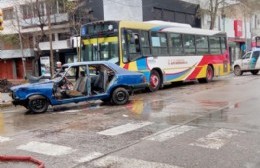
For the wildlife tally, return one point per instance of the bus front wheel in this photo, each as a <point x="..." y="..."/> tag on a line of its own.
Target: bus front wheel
<point x="209" y="75"/>
<point x="155" y="81"/>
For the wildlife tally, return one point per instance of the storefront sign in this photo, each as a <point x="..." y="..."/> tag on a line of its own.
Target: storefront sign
<point x="238" y="28"/>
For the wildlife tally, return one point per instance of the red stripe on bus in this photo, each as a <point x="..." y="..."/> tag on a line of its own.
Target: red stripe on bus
<point x="194" y="74"/>
<point x="126" y="66"/>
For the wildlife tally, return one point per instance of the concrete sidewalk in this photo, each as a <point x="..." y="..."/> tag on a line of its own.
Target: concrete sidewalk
<point x="5" y="100"/>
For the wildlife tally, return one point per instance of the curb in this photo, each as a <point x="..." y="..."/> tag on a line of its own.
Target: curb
<point x="5" y="104"/>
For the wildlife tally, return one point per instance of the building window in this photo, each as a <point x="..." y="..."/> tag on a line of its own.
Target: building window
<point x="63" y="36"/>
<point x="61" y="6"/>
<point x="8" y="14"/>
<point x="27" y="11"/>
<point x="38" y="9"/>
<point x="45" y="38"/>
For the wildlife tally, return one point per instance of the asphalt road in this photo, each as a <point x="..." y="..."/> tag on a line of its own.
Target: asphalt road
<point x="214" y="125"/>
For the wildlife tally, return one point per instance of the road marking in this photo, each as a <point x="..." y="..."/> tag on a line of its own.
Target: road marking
<point x="4" y="139"/>
<point x="114" y="161"/>
<point x="124" y="128"/>
<point x="46" y="148"/>
<point x="216" y="139"/>
<point x="170" y="133"/>
<point x="90" y="157"/>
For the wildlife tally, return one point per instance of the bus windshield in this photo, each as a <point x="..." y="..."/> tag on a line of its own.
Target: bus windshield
<point x="100" y="49"/>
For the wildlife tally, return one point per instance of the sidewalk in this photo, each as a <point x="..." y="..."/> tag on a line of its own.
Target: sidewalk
<point x="5" y="100"/>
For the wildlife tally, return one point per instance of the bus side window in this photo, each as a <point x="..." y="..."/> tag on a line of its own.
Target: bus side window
<point x="189" y="44"/>
<point x="214" y="43"/>
<point x="159" y="44"/>
<point x="202" y="45"/>
<point x="175" y="44"/>
<point x="223" y="44"/>
<point x="145" y="43"/>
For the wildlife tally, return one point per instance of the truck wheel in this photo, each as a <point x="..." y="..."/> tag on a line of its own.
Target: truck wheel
<point x="237" y="71"/>
<point x="254" y="72"/>
<point x="39" y="105"/>
<point x="120" y="96"/>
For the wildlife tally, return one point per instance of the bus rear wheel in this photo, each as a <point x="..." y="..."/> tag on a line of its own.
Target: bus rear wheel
<point x="155" y="81"/>
<point x="209" y="75"/>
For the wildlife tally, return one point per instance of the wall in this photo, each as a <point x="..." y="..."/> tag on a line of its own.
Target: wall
<point x="171" y="10"/>
<point x="123" y="10"/>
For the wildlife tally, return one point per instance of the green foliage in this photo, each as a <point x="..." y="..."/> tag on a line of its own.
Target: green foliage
<point x="12" y="39"/>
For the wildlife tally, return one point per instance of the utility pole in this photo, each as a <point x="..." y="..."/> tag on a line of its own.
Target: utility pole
<point x="21" y="43"/>
<point x="50" y="39"/>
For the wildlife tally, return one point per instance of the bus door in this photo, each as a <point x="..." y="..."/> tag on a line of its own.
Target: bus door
<point x="246" y="60"/>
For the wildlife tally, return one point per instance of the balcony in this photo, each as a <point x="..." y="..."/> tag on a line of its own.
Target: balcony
<point x="56" y="18"/>
<point x="56" y="45"/>
<point x="9" y="54"/>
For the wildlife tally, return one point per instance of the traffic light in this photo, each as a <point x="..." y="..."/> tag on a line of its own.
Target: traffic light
<point x="1" y="20"/>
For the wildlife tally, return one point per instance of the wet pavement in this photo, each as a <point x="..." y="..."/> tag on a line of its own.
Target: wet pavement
<point x="189" y="125"/>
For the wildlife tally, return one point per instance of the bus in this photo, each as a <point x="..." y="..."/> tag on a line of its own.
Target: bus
<point x="165" y="52"/>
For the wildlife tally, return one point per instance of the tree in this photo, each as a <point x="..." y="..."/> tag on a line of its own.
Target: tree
<point x="80" y="14"/>
<point x="211" y="8"/>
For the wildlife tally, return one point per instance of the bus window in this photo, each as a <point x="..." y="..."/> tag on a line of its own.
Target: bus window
<point x="202" y="45"/>
<point x="159" y="44"/>
<point x="214" y="43"/>
<point x="145" y="43"/>
<point x="131" y="45"/>
<point x="223" y="44"/>
<point x="189" y="44"/>
<point x="175" y="43"/>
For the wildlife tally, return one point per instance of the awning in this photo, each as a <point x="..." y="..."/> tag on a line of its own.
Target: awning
<point x="10" y="54"/>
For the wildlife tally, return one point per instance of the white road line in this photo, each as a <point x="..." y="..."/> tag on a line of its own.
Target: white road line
<point x="170" y="133"/>
<point x="4" y="139"/>
<point x="124" y="128"/>
<point x="114" y="161"/>
<point x="46" y="148"/>
<point x="216" y="139"/>
<point x="90" y="157"/>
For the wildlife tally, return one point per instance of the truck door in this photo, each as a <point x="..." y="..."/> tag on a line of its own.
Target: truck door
<point x="254" y="62"/>
<point x="246" y="61"/>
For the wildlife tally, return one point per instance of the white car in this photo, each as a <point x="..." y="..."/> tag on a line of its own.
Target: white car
<point x="248" y="63"/>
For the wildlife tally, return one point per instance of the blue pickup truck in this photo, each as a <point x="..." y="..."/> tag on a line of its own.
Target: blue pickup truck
<point x="77" y="82"/>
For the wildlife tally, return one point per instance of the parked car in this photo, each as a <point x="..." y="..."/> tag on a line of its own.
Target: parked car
<point x="248" y="63"/>
<point x="77" y="82"/>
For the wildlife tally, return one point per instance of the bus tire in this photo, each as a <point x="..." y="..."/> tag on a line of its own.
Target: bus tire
<point x="209" y="75"/>
<point x="237" y="71"/>
<point x="155" y="81"/>
<point x="254" y="72"/>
